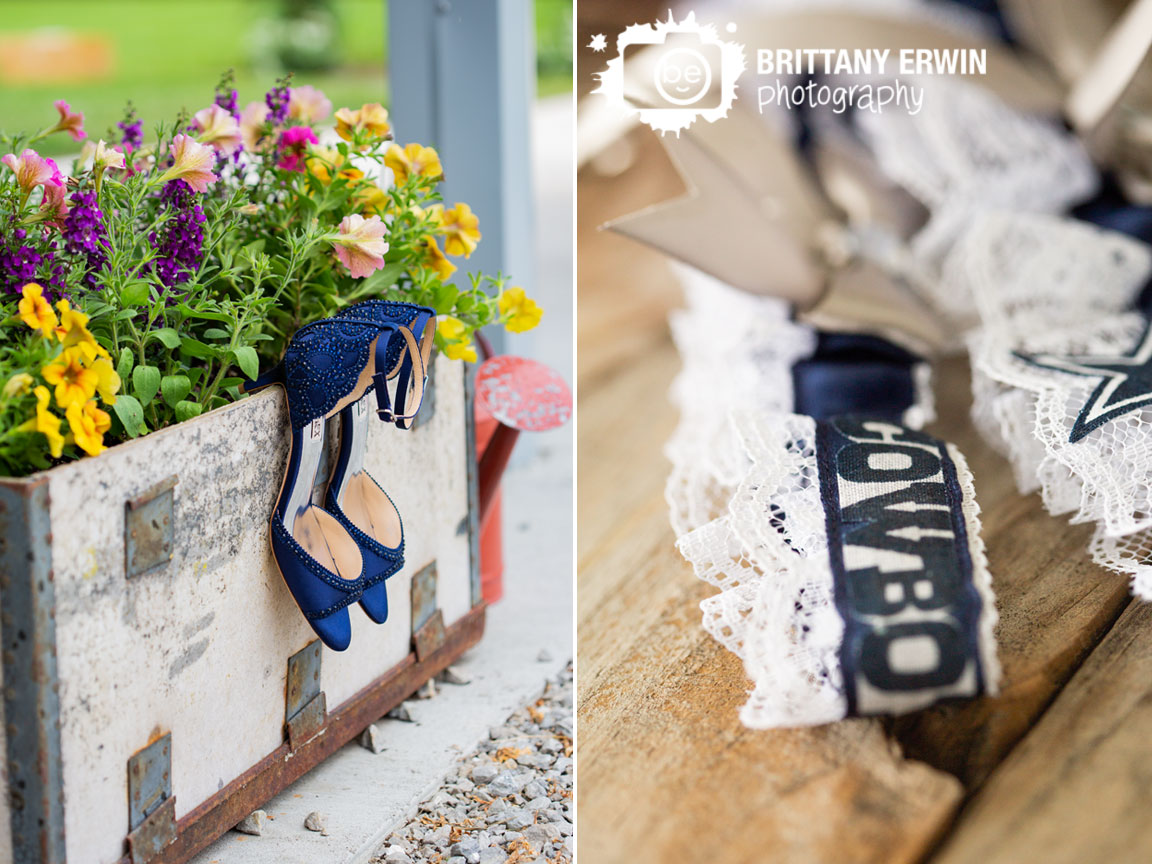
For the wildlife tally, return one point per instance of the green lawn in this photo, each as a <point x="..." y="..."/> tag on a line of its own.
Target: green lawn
<point x="169" y="55"/>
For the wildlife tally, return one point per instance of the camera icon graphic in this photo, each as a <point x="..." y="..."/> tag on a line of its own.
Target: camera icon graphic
<point x="673" y="73"/>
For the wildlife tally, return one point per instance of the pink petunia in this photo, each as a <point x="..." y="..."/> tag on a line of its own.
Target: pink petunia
<point x="70" y="121"/>
<point x="252" y="120"/>
<point x="361" y="246"/>
<point x="55" y="201"/>
<point x="293" y="146"/>
<point x="32" y="169"/>
<point x="219" y="129"/>
<point x="308" y="104"/>
<point x="193" y="164"/>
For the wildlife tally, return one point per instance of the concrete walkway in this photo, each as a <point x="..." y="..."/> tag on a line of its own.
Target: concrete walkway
<point x="367" y="796"/>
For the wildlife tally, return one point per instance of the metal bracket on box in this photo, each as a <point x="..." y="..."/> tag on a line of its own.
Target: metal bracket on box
<point x="427" y="620"/>
<point x="305" y="706"/>
<point x="149" y="528"/>
<point x="151" y="804"/>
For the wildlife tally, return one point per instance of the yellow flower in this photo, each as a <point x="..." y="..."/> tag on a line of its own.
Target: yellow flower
<point x="461" y="228"/>
<point x="88" y="424"/>
<point x="370" y="117"/>
<point x="107" y="380"/>
<point x="321" y="162"/>
<point x="434" y="259"/>
<point x="73" y="331"/>
<point x="18" y="385"/>
<point x="457" y="344"/>
<point x="75" y="383"/>
<point x="35" y="311"/>
<point x="413" y="159"/>
<point x="519" y="311"/>
<point x="370" y="198"/>
<point x="46" y="423"/>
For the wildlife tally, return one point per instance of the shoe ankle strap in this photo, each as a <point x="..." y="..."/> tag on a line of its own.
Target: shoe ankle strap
<point x="408" y="384"/>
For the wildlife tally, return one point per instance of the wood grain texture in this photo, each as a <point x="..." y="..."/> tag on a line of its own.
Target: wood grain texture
<point x="1076" y="789"/>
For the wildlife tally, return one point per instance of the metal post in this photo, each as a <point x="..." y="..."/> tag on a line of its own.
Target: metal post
<point x="463" y="80"/>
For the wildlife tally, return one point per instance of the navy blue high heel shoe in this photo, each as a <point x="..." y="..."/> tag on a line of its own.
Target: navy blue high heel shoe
<point x="354" y="497"/>
<point x="328" y="366"/>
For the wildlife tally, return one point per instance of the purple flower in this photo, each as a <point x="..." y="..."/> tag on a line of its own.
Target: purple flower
<point x="226" y="99"/>
<point x="84" y="235"/>
<point x="180" y="242"/>
<point x="20" y="264"/>
<point x="277" y="100"/>
<point x="133" y="134"/>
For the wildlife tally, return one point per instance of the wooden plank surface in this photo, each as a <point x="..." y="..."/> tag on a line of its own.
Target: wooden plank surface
<point x="667" y="773"/>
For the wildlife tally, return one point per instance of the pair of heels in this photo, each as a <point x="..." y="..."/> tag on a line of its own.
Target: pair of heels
<point x="343" y="552"/>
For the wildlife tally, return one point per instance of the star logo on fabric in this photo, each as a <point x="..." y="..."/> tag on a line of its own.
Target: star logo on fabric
<point x="1125" y="386"/>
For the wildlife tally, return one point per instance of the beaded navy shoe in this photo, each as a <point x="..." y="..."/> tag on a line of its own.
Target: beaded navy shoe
<point x="328" y="366"/>
<point x="354" y="497"/>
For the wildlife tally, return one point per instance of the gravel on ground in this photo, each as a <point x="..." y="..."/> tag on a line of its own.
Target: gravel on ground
<point x="507" y="802"/>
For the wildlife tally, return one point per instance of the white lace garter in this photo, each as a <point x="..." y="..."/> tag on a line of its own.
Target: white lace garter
<point x="1060" y="382"/>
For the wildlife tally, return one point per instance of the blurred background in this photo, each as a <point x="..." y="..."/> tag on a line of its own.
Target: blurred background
<point x="167" y="56"/>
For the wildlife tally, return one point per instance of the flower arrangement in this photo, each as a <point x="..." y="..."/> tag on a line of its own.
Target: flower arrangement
<point x="141" y="287"/>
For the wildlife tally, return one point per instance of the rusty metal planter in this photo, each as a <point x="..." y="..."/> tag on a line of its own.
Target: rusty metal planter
<point x="159" y="682"/>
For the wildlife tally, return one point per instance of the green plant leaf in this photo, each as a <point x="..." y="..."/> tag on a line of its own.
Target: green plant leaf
<point x="167" y="336"/>
<point x="188" y="312"/>
<point x="444" y="298"/>
<point x="247" y="360"/>
<point x="125" y="363"/>
<point x="145" y="383"/>
<point x="175" y="388"/>
<point x="131" y="414"/>
<point x="187" y="410"/>
<point x="136" y="294"/>
<point x="216" y="333"/>
<point x="195" y="348"/>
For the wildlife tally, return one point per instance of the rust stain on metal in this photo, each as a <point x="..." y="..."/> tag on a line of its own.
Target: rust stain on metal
<point x="305" y="706"/>
<point x="146" y="842"/>
<point x="423" y="595"/>
<point x="307" y="722"/>
<point x="149" y="780"/>
<point x="430" y="636"/>
<point x="149" y="529"/>
<point x="209" y="820"/>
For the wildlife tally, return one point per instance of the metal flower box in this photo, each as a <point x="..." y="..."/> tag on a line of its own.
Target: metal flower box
<point x="159" y="682"/>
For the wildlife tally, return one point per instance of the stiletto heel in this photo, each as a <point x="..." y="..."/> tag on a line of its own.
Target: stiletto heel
<point x="354" y="497"/>
<point x="328" y="366"/>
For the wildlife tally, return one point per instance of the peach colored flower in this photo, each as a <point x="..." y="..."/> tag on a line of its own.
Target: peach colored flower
<point x="219" y="129"/>
<point x="308" y="104"/>
<point x="360" y="245"/>
<point x="252" y="120"/>
<point x="32" y="169"/>
<point x="193" y="164"/>
<point x="55" y="202"/>
<point x="70" y="121"/>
